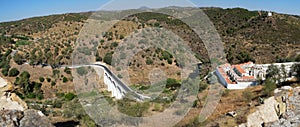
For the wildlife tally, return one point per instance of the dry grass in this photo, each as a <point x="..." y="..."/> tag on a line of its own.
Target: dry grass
<point x="232" y="101"/>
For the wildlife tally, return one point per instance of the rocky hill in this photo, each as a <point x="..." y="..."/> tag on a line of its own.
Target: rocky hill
<point x="30" y="46"/>
<point x="280" y="110"/>
<point x="247" y="35"/>
<point x="254" y="35"/>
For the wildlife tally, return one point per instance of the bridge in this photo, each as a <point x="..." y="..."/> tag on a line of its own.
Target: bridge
<point x="117" y="88"/>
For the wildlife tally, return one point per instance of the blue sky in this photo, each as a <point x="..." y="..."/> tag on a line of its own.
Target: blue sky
<point x="19" y="9"/>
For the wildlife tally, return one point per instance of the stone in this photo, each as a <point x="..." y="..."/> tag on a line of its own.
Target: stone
<point x="10" y="118"/>
<point x="265" y="113"/>
<point x="277" y="91"/>
<point x="34" y="118"/>
<point x="290" y="118"/>
<point x="3" y="83"/>
<point x="286" y="88"/>
<point x="27" y="118"/>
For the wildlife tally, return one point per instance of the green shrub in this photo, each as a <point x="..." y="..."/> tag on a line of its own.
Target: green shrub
<point x="269" y="87"/>
<point x="118" y="69"/>
<point x="41" y="79"/>
<point x="13" y="72"/>
<point x="114" y="44"/>
<point x="122" y="37"/>
<point x="23" y="79"/>
<point x="60" y="95"/>
<point x="22" y="42"/>
<point x="170" y="61"/>
<point x="39" y="96"/>
<point x="65" y="80"/>
<point x="172" y="84"/>
<point x="69" y="96"/>
<point x="108" y="58"/>
<point x="5" y="71"/>
<point x="18" y="59"/>
<point x="48" y="79"/>
<point x="20" y="95"/>
<point x="25" y="74"/>
<point x="133" y="109"/>
<point x="53" y="83"/>
<point x="149" y="61"/>
<point x="101" y="41"/>
<point x="166" y="55"/>
<point x="120" y="76"/>
<point x="55" y="72"/>
<point x="98" y="57"/>
<point x="4" y="64"/>
<point x="31" y="95"/>
<point x="67" y="70"/>
<point x="202" y="86"/>
<point x="57" y="104"/>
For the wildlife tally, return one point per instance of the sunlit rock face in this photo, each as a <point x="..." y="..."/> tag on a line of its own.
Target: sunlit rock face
<point x="27" y="118"/>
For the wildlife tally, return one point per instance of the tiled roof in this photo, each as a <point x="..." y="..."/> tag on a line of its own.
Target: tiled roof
<point x="248" y="77"/>
<point x="240" y="69"/>
<point x="225" y="76"/>
<point x="227" y="67"/>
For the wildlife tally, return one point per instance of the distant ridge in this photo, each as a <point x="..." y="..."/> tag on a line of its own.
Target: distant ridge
<point x="144" y="8"/>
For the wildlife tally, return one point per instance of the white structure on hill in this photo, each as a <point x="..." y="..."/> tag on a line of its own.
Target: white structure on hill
<point x="270" y="14"/>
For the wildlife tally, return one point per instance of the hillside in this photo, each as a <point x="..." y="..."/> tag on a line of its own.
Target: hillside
<point x="252" y="35"/>
<point x="257" y="37"/>
<point x="33" y="50"/>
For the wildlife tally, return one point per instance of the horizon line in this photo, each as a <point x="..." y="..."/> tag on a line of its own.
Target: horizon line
<point x="87" y="11"/>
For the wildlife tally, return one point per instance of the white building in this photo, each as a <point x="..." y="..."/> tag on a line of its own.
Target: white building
<point x="236" y="76"/>
<point x="270" y="14"/>
<point x="244" y="75"/>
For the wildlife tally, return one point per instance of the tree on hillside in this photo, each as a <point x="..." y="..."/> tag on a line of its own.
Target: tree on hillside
<point x="55" y="73"/>
<point x="41" y="79"/>
<point x="296" y="69"/>
<point x="273" y="73"/>
<point x="23" y="79"/>
<point x="98" y="57"/>
<point x="5" y="71"/>
<point x="269" y="87"/>
<point x="13" y="72"/>
<point x="18" y="59"/>
<point x="108" y="58"/>
<point x="283" y="72"/>
<point x="67" y="70"/>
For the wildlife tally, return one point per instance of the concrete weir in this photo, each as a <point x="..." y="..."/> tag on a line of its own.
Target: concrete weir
<point x="115" y="85"/>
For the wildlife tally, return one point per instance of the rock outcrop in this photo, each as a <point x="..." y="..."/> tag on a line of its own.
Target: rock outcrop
<point x="14" y="112"/>
<point x="282" y="110"/>
<point x="27" y="118"/>
<point x="3" y="83"/>
<point x="290" y="118"/>
<point x="10" y="118"/>
<point x="264" y="114"/>
<point x="34" y="118"/>
<point x="10" y="100"/>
